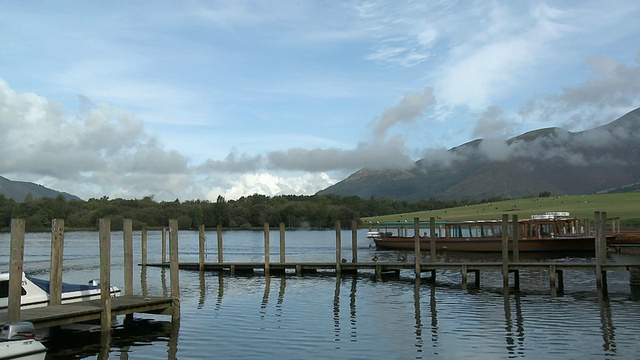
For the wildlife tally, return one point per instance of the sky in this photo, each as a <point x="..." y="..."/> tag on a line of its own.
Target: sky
<point x="198" y="99"/>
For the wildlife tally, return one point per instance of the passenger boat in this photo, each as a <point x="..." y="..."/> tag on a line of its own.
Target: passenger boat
<point x="18" y="342"/>
<point x="554" y="231"/>
<point x="35" y="292"/>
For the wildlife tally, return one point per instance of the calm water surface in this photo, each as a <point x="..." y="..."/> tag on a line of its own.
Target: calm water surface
<point x="352" y="317"/>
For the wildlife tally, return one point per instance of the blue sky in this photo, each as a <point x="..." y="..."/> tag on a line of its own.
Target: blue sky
<point x="196" y="99"/>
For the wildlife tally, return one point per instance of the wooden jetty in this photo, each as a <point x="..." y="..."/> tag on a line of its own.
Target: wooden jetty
<point x="510" y="266"/>
<point x="106" y="307"/>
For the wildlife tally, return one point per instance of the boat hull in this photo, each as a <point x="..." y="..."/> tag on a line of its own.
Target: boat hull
<point x="577" y="243"/>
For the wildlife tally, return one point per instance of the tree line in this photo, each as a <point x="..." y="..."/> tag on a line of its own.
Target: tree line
<point x="247" y="212"/>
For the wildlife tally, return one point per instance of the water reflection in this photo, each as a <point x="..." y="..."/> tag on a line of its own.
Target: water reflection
<point x="608" y="329"/>
<point x="336" y="311"/>
<point x="418" y="316"/>
<point x="515" y="341"/>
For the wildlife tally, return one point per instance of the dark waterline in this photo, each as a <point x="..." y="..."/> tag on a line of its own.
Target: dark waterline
<point x="347" y="318"/>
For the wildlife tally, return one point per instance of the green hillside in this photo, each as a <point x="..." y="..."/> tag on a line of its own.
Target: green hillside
<point x="625" y="206"/>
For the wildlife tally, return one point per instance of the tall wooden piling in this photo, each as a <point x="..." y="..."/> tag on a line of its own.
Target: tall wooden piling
<point x="15" y="269"/>
<point x="127" y="236"/>
<point x="432" y="238"/>
<point x="266" y="249"/>
<point x="57" y="246"/>
<point x="173" y="269"/>
<point x="416" y="246"/>
<point x="505" y="251"/>
<point x="354" y="241"/>
<point x="164" y="244"/>
<point x="338" y="248"/>
<point x="143" y="246"/>
<point x="104" y="229"/>
<point x="219" y="232"/>
<point x="282" y="243"/>
<point x="201" y="240"/>
<point x="515" y="246"/>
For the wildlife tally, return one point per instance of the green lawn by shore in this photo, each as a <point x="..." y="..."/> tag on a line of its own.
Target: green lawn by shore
<point x="625" y="207"/>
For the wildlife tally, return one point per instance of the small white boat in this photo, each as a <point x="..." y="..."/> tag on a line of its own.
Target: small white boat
<point x="35" y="292"/>
<point x="17" y="341"/>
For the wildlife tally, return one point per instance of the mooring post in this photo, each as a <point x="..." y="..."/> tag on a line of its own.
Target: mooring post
<point x="505" y="251"/>
<point x="143" y="246"/>
<point x="416" y="246"/>
<point x="603" y="237"/>
<point x="354" y="241"/>
<point x="597" y="228"/>
<point x="173" y="270"/>
<point x="127" y="230"/>
<point x="104" y="234"/>
<point x="282" y="243"/>
<point x="266" y="249"/>
<point x="15" y="269"/>
<point x="57" y="248"/>
<point x="201" y="240"/>
<point x="465" y="276"/>
<point x="432" y="238"/>
<point x="164" y="244"/>
<point x="516" y="239"/>
<point x="338" y="248"/>
<point x="219" y="231"/>
<point x="552" y="280"/>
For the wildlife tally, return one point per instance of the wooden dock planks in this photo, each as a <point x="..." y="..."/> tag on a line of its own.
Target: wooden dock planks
<point x="54" y="315"/>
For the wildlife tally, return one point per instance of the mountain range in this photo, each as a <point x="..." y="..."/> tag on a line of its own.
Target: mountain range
<point x="550" y="160"/>
<point x="22" y="190"/>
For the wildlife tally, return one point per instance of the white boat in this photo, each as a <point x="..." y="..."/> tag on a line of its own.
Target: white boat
<point x="35" y="292"/>
<point x="17" y="341"/>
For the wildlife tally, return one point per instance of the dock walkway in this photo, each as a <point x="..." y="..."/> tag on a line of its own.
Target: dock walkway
<point x="85" y="311"/>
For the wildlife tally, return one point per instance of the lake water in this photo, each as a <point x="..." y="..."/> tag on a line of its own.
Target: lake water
<point x="352" y="317"/>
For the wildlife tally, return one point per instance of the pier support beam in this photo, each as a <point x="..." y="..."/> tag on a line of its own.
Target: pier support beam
<point x="505" y="251"/>
<point x="127" y="239"/>
<point x="282" y="244"/>
<point x="219" y="232"/>
<point x="416" y="247"/>
<point x="201" y="243"/>
<point x="105" y="274"/>
<point x="338" y="248"/>
<point x="266" y="250"/>
<point x="354" y="241"/>
<point x="57" y="248"/>
<point x="15" y="269"/>
<point x="173" y="270"/>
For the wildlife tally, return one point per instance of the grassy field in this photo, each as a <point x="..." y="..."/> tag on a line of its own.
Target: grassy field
<point x="625" y="207"/>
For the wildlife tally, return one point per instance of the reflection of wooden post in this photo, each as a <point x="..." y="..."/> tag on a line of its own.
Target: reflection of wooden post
<point x="516" y="239"/>
<point x="143" y="246"/>
<point x="164" y="244"/>
<point x="15" y="272"/>
<point x="105" y="274"/>
<point x="416" y="245"/>
<point x="173" y="269"/>
<point x="127" y="236"/>
<point x="219" y="243"/>
<point x="338" y="247"/>
<point x="266" y="249"/>
<point x="505" y="251"/>
<point x="465" y="276"/>
<point x="282" y="248"/>
<point x="354" y="241"/>
<point x="201" y="240"/>
<point x="57" y="248"/>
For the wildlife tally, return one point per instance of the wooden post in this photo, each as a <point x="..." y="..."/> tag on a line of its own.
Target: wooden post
<point x="127" y="237"/>
<point x="173" y="269"/>
<point x="57" y="248"/>
<point x="282" y="243"/>
<point x="201" y="240"/>
<point x="266" y="249"/>
<point x="104" y="228"/>
<point x="552" y="280"/>
<point x="416" y="246"/>
<point x="505" y="251"/>
<point x="603" y="237"/>
<point x="597" y="228"/>
<point x="432" y="238"/>
<point x="354" y="241"/>
<point x="465" y="276"/>
<point x="15" y="269"/>
<point x="338" y="248"/>
<point x="516" y="238"/>
<point x="164" y="244"/>
<point x="143" y="246"/>
<point x="219" y="231"/>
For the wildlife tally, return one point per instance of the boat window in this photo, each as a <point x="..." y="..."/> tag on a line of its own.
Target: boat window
<point x="4" y="289"/>
<point x="546" y="230"/>
<point x="475" y="230"/>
